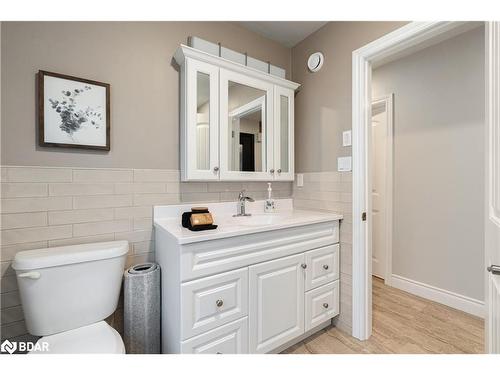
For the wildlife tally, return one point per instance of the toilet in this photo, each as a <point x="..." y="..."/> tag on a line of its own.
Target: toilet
<point x="67" y="292"/>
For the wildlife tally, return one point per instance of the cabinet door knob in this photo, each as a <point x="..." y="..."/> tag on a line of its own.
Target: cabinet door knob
<point x="271" y="171"/>
<point x="325" y="305"/>
<point x="325" y="266"/>
<point x="218" y="353"/>
<point x="219" y="303"/>
<point x="303" y="265"/>
<point x="216" y="169"/>
<point x="279" y="170"/>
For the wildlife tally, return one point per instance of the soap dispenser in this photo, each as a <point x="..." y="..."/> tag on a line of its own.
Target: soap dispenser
<point x="269" y="205"/>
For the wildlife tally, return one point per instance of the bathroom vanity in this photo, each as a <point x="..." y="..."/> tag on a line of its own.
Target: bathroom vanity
<point x="256" y="284"/>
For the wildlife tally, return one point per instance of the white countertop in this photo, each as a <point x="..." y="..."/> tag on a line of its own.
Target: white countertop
<point x="168" y="218"/>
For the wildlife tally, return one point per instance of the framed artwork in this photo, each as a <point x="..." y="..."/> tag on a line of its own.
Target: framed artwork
<point x="73" y="112"/>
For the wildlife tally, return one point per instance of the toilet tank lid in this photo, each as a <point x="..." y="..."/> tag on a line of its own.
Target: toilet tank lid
<point x="57" y="256"/>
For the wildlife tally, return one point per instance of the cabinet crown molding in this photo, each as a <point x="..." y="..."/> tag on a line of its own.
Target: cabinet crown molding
<point x="184" y="52"/>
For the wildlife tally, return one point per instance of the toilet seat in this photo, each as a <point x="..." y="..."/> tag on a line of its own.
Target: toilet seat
<point x="95" y="338"/>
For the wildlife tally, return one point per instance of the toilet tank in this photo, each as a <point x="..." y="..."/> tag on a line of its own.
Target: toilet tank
<point x="67" y="287"/>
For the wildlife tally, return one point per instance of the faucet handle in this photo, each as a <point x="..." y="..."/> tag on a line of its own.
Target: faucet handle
<point x="241" y="195"/>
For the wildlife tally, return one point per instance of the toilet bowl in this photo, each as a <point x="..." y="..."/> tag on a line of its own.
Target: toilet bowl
<point x="67" y="292"/>
<point x="95" y="338"/>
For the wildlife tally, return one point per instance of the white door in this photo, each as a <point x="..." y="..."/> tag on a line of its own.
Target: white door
<point x="380" y="138"/>
<point x="492" y="219"/>
<point x="276" y="305"/>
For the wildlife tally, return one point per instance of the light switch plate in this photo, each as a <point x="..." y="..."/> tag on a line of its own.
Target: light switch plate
<point x="300" y="180"/>
<point x="347" y="138"/>
<point x="344" y="164"/>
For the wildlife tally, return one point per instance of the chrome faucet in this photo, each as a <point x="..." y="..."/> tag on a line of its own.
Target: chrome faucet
<point x="242" y="198"/>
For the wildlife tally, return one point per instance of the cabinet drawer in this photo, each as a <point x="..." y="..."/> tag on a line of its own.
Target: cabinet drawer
<point x="231" y="338"/>
<point x="213" y="301"/>
<point x="321" y="304"/>
<point x="322" y="266"/>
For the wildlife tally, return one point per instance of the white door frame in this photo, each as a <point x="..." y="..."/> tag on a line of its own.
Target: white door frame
<point x="393" y="44"/>
<point x="492" y="198"/>
<point x="388" y="102"/>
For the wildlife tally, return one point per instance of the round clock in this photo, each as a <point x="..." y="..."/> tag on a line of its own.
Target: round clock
<point x="315" y="61"/>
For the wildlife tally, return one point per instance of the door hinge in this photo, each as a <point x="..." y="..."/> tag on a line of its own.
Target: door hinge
<point x="363" y="216"/>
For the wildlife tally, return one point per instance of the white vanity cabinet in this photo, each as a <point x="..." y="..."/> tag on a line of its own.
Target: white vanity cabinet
<point x="237" y="123"/>
<point x="246" y="289"/>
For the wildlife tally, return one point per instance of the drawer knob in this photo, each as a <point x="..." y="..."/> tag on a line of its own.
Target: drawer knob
<point x="325" y="305"/>
<point x="219" y="303"/>
<point x="325" y="266"/>
<point x="303" y="265"/>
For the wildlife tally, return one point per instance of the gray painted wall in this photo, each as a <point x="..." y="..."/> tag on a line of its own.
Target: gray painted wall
<point x="439" y="163"/>
<point x="323" y="105"/>
<point x="135" y="58"/>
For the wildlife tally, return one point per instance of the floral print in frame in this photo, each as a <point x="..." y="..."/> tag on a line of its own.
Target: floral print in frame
<point x="73" y="112"/>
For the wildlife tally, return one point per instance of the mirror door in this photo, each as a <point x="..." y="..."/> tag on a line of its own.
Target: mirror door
<point x="201" y="151"/>
<point x="283" y="134"/>
<point x="246" y="127"/>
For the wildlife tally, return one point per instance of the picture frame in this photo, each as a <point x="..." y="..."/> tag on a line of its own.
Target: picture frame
<point x="73" y="112"/>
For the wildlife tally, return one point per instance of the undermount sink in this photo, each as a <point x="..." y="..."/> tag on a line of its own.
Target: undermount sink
<point x="260" y="219"/>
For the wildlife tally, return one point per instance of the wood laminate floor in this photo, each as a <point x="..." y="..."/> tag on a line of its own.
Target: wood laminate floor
<point x="403" y="323"/>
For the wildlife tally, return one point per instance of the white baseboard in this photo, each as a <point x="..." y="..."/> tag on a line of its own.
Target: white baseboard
<point x="445" y="297"/>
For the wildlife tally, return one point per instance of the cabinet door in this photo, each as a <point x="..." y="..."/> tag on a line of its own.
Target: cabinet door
<point x="276" y="304"/>
<point x="200" y="121"/>
<point x="283" y="134"/>
<point x="246" y="127"/>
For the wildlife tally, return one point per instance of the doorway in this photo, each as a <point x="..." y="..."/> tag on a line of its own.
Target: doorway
<point x="410" y="38"/>
<point x="247" y="152"/>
